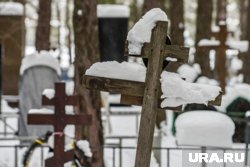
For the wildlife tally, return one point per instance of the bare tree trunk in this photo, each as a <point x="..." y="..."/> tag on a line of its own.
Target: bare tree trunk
<point x="43" y="27"/>
<point x="243" y="4"/>
<point x="203" y="31"/>
<point x="221" y="11"/>
<point x="177" y="21"/>
<point x="149" y="4"/>
<point x="58" y="13"/>
<point x="87" y="53"/>
<point x="67" y="22"/>
<point x="134" y="17"/>
<point x="246" y="62"/>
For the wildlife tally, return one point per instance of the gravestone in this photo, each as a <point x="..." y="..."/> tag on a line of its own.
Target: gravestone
<point x="113" y="28"/>
<point x="12" y="40"/>
<point x="38" y="72"/>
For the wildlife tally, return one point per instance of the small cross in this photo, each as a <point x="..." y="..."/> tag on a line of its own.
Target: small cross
<point x="59" y="120"/>
<point x="220" y="63"/>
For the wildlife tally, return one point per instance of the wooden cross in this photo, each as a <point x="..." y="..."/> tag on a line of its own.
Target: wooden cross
<point x="59" y="120"/>
<point x="146" y="94"/>
<point x="220" y="63"/>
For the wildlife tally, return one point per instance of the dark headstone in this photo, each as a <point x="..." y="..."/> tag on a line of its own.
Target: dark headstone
<point x="112" y="36"/>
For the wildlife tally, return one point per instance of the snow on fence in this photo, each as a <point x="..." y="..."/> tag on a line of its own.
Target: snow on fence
<point x="114" y="156"/>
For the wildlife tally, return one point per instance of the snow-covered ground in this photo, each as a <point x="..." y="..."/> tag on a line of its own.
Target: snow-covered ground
<point x="123" y="126"/>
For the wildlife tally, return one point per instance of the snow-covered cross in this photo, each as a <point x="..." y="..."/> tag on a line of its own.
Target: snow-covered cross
<point x="145" y="93"/>
<point x="59" y="120"/>
<point x="221" y="45"/>
<point x="141" y="86"/>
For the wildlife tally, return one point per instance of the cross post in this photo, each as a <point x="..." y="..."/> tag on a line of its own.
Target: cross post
<point x="220" y="63"/>
<point x="59" y="120"/>
<point x="146" y="94"/>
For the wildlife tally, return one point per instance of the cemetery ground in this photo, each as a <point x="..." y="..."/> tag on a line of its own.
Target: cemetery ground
<point x="126" y="132"/>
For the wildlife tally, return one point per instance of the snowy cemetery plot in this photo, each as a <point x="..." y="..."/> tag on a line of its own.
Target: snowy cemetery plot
<point x="136" y="83"/>
<point x="148" y="94"/>
<point x="128" y="155"/>
<point x="59" y="120"/>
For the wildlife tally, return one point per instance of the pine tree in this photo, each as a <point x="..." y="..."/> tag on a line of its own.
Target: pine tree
<point x="203" y="31"/>
<point x="86" y="50"/>
<point x="177" y="22"/>
<point x="221" y="11"/>
<point x="243" y="18"/>
<point x="43" y="26"/>
<point x="149" y="4"/>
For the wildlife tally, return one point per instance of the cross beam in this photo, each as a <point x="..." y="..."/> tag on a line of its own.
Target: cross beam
<point x="132" y="92"/>
<point x="59" y="120"/>
<point x="146" y="94"/>
<point x="221" y="55"/>
<point x="179" y="52"/>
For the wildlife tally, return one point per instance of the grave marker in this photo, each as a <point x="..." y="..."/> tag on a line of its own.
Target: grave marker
<point x="146" y="94"/>
<point x="221" y="49"/>
<point x="39" y="71"/>
<point x="59" y="120"/>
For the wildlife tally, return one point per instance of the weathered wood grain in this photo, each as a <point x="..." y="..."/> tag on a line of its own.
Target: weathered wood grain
<point x="217" y="101"/>
<point x="179" y="52"/>
<point x="131" y="100"/>
<point x="151" y="94"/>
<point x="132" y="91"/>
<point x="137" y="100"/>
<point x="114" y="85"/>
